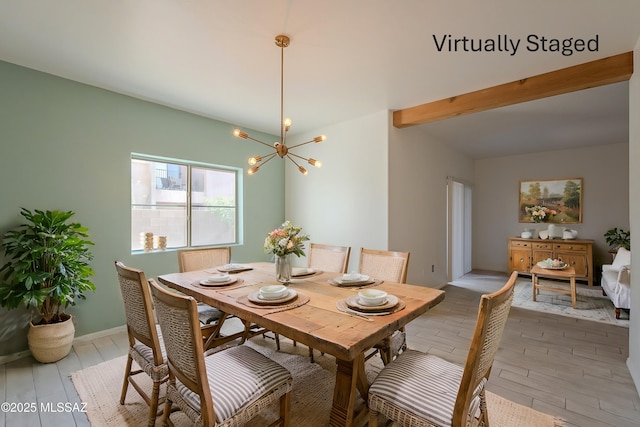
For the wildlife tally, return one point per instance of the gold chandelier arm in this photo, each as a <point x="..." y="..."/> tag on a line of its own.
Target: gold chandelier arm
<point x="302" y="170"/>
<point x="316" y="139"/>
<point x="264" y="159"/>
<point x="259" y="142"/>
<point x="309" y="160"/>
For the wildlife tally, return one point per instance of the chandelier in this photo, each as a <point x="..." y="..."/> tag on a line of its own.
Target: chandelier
<point x="280" y="147"/>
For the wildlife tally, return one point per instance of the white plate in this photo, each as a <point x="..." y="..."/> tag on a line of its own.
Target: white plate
<point x="257" y="299"/>
<point x="229" y="281"/>
<point x="297" y="272"/>
<point x="218" y="278"/>
<point x="361" y="278"/>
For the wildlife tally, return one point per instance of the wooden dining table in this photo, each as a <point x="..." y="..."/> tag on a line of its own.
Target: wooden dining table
<point x="317" y="322"/>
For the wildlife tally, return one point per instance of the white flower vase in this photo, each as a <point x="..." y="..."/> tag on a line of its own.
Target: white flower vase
<point x="283" y="268"/>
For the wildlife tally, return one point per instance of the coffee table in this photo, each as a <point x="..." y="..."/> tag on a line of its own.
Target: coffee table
<point x="568" y="273"/>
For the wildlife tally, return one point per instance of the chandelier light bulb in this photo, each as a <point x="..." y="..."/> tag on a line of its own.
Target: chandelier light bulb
<point x="240" y="134"/>
<point x="253" y="170"/>
<point x="302" y="170"/>
<point x="254" y="160"/>
<point x="287" y="124"/>
<point x="316" y="163"/>
<point x="320" y="138"/>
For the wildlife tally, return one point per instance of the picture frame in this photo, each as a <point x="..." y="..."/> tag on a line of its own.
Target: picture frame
<point x="560" y="200"/>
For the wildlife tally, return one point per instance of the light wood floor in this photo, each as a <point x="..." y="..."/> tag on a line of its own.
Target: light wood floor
<point x="569" y="368"/>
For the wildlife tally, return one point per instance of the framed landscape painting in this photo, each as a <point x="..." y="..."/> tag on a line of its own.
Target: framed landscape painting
<point x="556" y="201"/>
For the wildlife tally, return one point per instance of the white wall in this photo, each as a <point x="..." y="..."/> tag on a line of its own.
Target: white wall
<point x="605" y="173"/>
<point x="633" y="362"/>
<point x="418" y="170"/>
<point x="346" y="201"/>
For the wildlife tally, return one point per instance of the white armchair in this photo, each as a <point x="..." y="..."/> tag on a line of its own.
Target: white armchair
<point x="616" y="281"/>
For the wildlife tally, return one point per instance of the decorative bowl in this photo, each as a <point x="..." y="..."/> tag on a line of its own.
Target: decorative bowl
<point x="372" y="297"/>
<point x="273" y="291"/>
<point x="222" y="277"/>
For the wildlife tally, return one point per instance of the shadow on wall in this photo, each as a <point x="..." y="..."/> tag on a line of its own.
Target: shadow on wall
<point x="14" y="329"/>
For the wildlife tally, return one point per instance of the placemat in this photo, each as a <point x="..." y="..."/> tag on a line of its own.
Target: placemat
<point x="268" y="309"/>
<point x="341" y="305"/>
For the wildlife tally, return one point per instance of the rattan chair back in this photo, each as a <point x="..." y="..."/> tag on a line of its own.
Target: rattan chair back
<point x="329" y="257"/>
<point x="492" y="319"/>
<point x="138" y="309"/>
<point x="384" y="265"/>
<point x="145" y="345"/>
<point x="178" y="317"/>
<point x="199" y="259"/>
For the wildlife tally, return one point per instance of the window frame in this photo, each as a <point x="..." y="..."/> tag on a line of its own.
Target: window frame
<point x="190" y="164"/>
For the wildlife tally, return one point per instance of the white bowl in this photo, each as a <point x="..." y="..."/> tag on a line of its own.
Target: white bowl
<point x="372" y="297"/>
<point x="273" y="291"/>
<point x="222" y="277"/>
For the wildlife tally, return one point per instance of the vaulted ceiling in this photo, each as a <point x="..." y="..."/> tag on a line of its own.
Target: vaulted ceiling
<point x="347" y="59"/>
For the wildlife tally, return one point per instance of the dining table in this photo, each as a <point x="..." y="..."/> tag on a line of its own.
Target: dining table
<point x="317" y="317"/>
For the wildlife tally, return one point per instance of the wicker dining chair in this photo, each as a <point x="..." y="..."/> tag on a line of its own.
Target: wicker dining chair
<point x="391" y="266"/>
<point x="329" y="257"/>
<point x="226" y="388"/>
<point x="200" y="259"/>
<point x="420" y="389"/>
<point x="145" y="342"/>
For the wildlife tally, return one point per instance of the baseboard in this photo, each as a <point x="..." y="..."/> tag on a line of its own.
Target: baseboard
<point x="77" y="340"/>
<point x="100" y="334"/>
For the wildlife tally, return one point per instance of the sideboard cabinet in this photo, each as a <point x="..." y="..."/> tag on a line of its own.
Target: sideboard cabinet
<point x="525" y="253"/>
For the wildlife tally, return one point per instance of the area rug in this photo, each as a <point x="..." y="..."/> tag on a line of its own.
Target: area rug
<point x="590" y="303"/>
<point x="99" y="386"/>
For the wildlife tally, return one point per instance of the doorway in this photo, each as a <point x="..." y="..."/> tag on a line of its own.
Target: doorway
<point x="459" y="199"/>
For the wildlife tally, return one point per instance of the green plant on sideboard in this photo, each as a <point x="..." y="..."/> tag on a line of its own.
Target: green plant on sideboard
<point x="47" y="270"/>
<point x="618" y="238"/>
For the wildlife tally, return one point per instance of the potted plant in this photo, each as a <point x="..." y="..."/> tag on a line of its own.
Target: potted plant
<point x="618" y="238"/>
<point x="47" y="270"/>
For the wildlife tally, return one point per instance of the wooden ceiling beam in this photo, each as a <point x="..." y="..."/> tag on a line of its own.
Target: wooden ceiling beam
<point x="601" y="72"/>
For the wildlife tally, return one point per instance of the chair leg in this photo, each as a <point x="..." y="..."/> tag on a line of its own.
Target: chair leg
<point x="617" y="312"/>
<point x="285" y="408"/>
<point x="166" y="421"/>
<point x="311" y="354"/>
<point x="153" y="405"/>
<point x="125" y="384"/>
<point x="373" y="418"/>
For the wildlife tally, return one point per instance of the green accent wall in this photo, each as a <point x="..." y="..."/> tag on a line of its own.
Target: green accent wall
<point x="66" y="145"/>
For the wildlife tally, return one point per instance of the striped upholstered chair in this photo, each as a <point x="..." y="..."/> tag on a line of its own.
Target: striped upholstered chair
<point x="391" y="266"/>
<point x="420" y="389"/>
<point x="226" y="388"/>
<point x="145" y="340"/>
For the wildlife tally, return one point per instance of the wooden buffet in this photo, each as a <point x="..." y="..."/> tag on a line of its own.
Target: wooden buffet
<point x="523" y="254"/>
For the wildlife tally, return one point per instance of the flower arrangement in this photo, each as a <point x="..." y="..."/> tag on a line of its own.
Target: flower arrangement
<point x="539" y="213"/>
<point x="286" y="240"/>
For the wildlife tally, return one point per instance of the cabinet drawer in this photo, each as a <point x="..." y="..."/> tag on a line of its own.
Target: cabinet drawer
<point x="574" y="247"/>
<point x="520" y="244"/>
<point x="542" y="246"/>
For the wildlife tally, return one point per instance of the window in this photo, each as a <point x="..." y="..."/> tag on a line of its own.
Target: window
<point x="188" y="203"/>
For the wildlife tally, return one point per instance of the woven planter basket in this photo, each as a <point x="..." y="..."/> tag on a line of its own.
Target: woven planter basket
<point x="52" y="342"/>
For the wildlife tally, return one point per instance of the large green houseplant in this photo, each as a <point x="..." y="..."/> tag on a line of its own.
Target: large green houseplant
<point x="618" y="238"/>
<point x="47" y="269"/>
